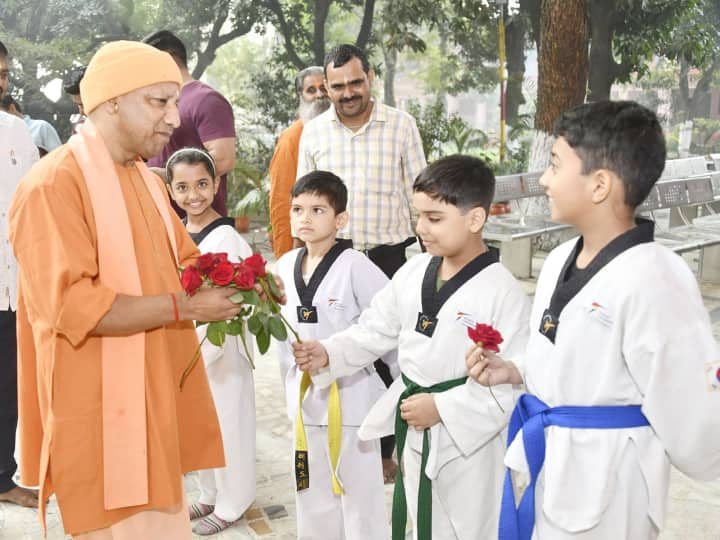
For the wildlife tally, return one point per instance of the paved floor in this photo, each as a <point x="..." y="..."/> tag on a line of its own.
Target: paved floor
<point x="693" y="507"/>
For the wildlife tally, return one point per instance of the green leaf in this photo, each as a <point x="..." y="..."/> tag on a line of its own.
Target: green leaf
<point x="277" y="328"/>
<point x="254" y="325"/>
<point x="235" y="327"/>
<point x="263" y="341"/>
<point x="216" y="333"/>
<point x="246" y="297"/>
<point x="273" y="285"/>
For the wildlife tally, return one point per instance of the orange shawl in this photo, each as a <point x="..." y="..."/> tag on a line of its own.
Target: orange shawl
<point x="123" y="357"/>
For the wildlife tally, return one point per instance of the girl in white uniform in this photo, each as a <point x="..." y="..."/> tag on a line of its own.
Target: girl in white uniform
<point x="225" y="493"/>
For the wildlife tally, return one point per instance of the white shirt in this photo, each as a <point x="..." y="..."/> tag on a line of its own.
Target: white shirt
<point x="17" y="155"/>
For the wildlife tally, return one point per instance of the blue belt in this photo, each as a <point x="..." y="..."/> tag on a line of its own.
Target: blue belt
<point x="532" y="415"/>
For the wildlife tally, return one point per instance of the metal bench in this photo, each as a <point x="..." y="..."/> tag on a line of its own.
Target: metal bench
<point x="514" y="232"/>
<point x="687" y="198"/>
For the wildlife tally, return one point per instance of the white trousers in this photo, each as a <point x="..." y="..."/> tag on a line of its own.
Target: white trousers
<point x="232" y="488"/>
<point x="465" y="495"/>
<point x="359" y="514"/>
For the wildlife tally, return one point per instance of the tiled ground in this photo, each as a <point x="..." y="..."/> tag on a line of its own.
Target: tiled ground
<point x="693" y="510"/>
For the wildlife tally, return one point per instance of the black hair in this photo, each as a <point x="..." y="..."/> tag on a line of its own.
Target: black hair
<point x="191" y="156"/>
<point x="324" y="184"/>
<point x="166" y="41"/>
<point x="8" y="100"/>
<point x="72" y="82"/>
<point x="342" y="54"/>
<point x="300" y="79"/>
<point x="463" y="181"/>
<point x="621" y="136"/>
<point x="3" y="50"/>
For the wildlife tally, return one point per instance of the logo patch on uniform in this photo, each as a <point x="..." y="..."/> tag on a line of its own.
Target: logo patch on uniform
<point x="548" y="325"/>
<point x="336" y="304"/>
<point x="712" y="376"/>
<point x="425" y="325"/>
<point x="307" y="314"/>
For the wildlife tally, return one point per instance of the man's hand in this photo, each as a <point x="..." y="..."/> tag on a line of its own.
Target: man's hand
<point x="310" y="355"/>
<point x="208" y="304"/>
<point x="489" y="369"/>
<point x="419" y="411"/>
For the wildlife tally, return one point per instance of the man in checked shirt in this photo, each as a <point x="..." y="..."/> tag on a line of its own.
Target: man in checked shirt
<point x="377" y="151"/>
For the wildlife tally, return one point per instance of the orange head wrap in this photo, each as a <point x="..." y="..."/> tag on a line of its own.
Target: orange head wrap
<point x="123" y="66"/>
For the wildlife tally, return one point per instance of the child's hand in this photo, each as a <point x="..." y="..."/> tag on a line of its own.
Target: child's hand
<point x="310" y="355"/>
<point x="489" y="369"/>
<point x="419" y="411"/>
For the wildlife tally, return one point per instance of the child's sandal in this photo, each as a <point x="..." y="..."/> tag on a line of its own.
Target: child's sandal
<point x="211" y="524"/>
<point x="198" y="510"/>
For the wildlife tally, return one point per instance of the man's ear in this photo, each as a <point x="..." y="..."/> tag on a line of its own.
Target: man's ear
<point x="341" y="220"/>
<point x="477" y="217"/>
<point x="371" y="75"/>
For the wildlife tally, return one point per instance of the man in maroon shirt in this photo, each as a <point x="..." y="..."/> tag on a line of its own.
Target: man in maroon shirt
<point x="206" y="119"/>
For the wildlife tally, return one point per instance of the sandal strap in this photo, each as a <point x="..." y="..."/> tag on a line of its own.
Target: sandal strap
<point x="198" y="510"/>
<point x="211" y="524"/>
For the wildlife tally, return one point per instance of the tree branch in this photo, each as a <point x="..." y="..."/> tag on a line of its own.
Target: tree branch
<point x="284" y="28"/>
<point x="366" y="25"/>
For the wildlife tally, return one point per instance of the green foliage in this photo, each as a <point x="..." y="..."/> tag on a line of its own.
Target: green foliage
<point x="432" y="124"/>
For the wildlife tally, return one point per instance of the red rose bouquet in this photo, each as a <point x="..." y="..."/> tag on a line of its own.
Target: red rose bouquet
<point x="263" y="316"/>
<point x="486" y="337"/>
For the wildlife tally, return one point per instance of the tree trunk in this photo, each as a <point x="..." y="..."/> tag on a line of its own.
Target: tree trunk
<point x="682" y="103"/>
<point x="389" y="77"/>
<point x="602" y="63"/>
<point x="322" y="8"/>
<point x="562" y="80"/>
<point x="531" y="10"/>
<point x="515" y="45"/>
<point x="563" y="60"/>
<point x="366" y="25"/>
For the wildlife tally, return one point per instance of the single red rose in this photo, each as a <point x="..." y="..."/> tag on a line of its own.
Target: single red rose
<point x="257" y="264"/>
<point x="244" y="277"/>
<point x="487" y="335"/>
<point x="222" y="274"/>
<point x="205" y="263"/>
<point x="219" y="258"/>
<point x="191" y="279"/>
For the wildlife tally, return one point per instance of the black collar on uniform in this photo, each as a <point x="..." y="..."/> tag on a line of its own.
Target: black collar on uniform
<point x="307" y="292"/>
<point x="200" y="236"/>
<point x="567" y="290"/>
<point x="434" y="299"/>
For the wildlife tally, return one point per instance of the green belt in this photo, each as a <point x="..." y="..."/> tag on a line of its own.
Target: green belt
<point x="399" y="507"/>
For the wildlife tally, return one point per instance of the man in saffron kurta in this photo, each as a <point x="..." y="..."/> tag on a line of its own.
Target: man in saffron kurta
<point x="70" y="320"/>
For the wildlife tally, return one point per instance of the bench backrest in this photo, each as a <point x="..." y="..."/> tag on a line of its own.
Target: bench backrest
<point x="651" y="202"/>
<point x="672" y="193"/>
<point x="700" y="190"/>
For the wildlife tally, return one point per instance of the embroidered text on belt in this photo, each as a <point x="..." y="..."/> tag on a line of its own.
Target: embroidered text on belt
<point x="424" y="508"/>
<point x="532" y="415"/>
<point x="302" y="470"/>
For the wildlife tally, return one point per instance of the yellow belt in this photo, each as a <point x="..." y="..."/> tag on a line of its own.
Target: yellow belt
<point x="302" y="471"/>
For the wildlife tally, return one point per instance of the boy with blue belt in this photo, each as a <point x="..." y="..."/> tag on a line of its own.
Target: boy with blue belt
<point x="621" y="366"/>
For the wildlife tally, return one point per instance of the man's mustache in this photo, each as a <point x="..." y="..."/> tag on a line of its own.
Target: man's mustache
<point x="348" y="100"/>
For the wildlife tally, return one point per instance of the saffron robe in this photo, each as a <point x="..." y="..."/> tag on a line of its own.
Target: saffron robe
<point x="59" y="370"/>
